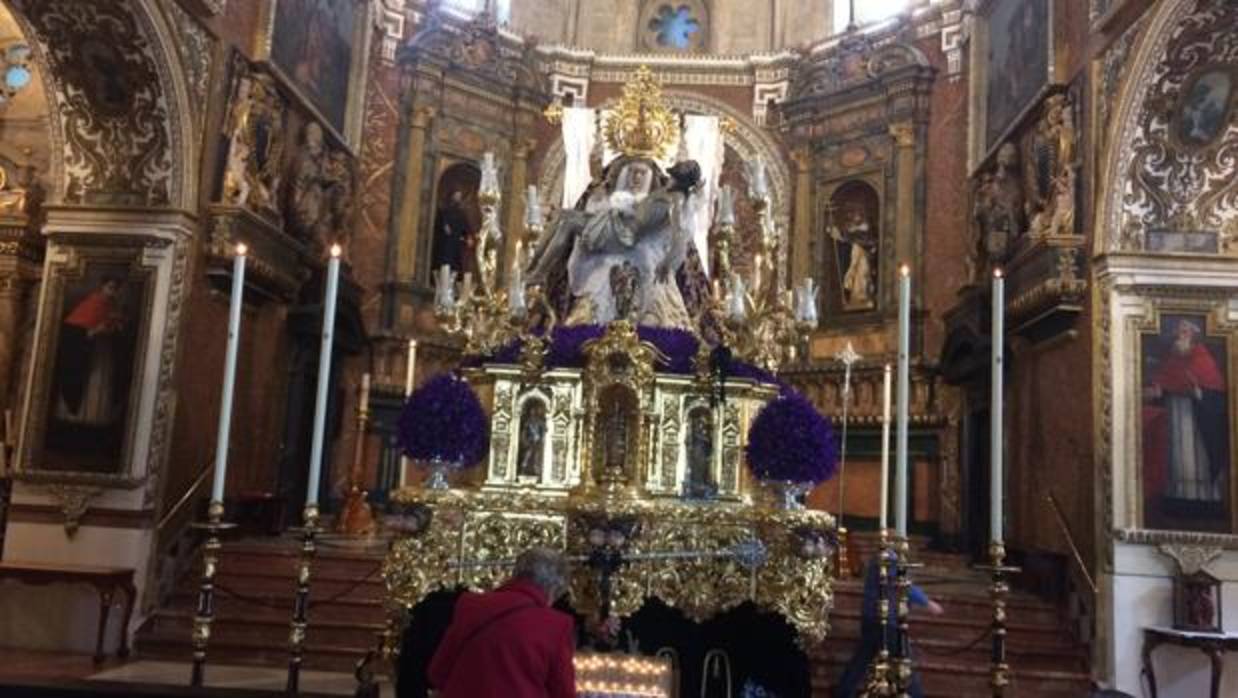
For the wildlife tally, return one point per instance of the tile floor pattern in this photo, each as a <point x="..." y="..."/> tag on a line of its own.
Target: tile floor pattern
<point x="231" y="676"/>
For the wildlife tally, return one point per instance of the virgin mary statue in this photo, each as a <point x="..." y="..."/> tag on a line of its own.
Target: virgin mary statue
<point x="622" y="245"/>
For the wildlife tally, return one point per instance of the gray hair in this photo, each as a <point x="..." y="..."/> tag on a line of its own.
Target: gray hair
<point x="544" y="567"/>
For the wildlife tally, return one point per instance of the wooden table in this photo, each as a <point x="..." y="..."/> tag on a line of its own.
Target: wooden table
<point x="1214" y="645"/>
<point x="105" y="580"/>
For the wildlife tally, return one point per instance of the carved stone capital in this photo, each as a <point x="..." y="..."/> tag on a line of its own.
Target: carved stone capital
<point x="803" y="159"/>
<point x="904" y="134"/>
<point x="1190" y="558"/>
<point x="422" y="116"/>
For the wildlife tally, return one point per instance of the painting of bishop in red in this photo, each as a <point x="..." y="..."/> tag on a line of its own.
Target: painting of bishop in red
<point x="95" y="353"/>
<point x="1186" y="455"/>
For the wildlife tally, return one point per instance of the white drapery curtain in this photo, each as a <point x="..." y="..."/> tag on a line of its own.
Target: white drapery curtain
<point x="579" y="132"/>
<point x="703" y="139"/>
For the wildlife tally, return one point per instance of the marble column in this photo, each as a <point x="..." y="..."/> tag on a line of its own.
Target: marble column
<point x="409" y="213"/>
<point x="905" y="195"/>
<point x="801" y="264"/>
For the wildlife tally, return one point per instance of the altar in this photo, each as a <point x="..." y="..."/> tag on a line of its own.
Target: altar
<point x="628" y="416"/>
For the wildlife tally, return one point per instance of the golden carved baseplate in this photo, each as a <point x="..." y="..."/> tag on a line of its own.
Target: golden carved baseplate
<point x="470" y="527"/>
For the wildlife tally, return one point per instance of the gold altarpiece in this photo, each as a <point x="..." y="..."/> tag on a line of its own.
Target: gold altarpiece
<point x="493" y="517"/>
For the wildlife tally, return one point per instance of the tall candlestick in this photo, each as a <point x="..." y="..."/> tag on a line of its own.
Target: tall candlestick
<point x="996" y="489"/>
<point x="885" y="448"/>
<point x="409" y="376"/>
<point x="324" y="376"/>
<point x="904" y="387"/>
<point x="225" y="403"/>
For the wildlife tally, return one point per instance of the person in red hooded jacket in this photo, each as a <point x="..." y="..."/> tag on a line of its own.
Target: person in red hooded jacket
<point x="509" y="643"/>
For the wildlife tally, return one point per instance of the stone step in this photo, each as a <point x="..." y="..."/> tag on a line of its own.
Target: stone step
<point x="317" y="656"/>
<point x="282" y="583"/>
<point x="955" y="679"/>
<point x="958" y="603"/>
<point x="230" y="628"/>
<point x="276" y="606"/>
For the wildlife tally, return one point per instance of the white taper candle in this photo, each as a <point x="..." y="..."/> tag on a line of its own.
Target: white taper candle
<point x="996" y="488"/>
<point x="223" y="435"/>
<point x="885" y="447"/>
<point x="324" y="376"/>
<point x="904" y="387"/>
<point x="409" y="377"/>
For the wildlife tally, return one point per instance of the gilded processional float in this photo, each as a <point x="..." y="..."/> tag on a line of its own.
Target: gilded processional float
<point x="617" y="404"/>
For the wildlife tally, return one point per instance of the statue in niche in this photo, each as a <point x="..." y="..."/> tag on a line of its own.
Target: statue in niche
<point x="457" y="219"/>
<point x="855" y="244"/>
<point x="531" y="453"/>
<point x="255" y="127"/>
<point x="699" y="449"/>
<point x="22" y="194"/>
<point x="320" y="191"/>
<point x="615" y="430"/>
<point x="1055" y="172"/>
<point x="999" y="205"/>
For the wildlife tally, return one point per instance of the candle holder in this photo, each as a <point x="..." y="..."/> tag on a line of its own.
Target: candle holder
<point x="999" y="589"/>
<point x="879" y="683"/>
<point x="356" y="518"/>
<point x="205" y="614"/>
<point x="300" y="607"/>
<point x="842" y="560"/>
<point x="902" y="647"/>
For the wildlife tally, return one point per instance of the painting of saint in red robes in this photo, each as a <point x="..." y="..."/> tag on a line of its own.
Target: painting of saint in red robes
<point x="1185" y="417"/>
<point x="91" y="380"/>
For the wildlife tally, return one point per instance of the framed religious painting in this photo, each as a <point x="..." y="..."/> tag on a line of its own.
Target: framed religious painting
<point x="318" y="49"/>
<point x="82" y="413"/>
<point x="1015" y="55"/>
<point x="1204" y="111"/>
<point x="1186" y="421"/>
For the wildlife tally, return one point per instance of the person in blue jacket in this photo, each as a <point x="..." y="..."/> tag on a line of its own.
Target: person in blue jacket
<point x="852" y="680"/>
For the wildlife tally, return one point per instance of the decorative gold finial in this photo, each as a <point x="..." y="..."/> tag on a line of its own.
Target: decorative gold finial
<point x="641" y="125"/>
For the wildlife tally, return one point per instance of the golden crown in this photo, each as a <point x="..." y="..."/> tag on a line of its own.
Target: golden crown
<point x="641" y="125"/>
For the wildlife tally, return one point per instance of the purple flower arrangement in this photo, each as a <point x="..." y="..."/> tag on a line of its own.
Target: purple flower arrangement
<point x="789" y="441"/>
<point x="444" y="420"/>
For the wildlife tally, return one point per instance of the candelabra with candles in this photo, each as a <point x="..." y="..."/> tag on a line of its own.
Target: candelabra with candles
<point x="485" y="315"/>
<point x="760" y="320"/>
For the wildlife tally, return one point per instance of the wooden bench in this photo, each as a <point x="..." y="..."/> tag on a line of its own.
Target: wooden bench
<point x="105" y="580"/>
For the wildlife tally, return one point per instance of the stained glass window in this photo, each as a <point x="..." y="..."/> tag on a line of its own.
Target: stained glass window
<point x="674" y="27"/>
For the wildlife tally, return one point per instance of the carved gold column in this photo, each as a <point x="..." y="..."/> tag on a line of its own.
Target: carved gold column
<point x="410" y="196"/>
<point x="10" y="319"/>
<point x="905" y="192"/>
<point x="515" y="199"/>
<point x="20" y="253"/>
<point x="801" y="265"/>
